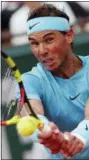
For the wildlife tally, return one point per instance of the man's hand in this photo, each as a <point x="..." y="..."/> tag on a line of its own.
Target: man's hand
<point x="53" y="140"/>
<point x="71" y="145"/>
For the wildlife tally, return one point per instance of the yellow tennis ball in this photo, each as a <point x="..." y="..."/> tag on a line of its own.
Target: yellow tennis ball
<point x="26" y="126"/>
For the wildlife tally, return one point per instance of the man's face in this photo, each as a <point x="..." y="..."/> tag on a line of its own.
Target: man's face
<point x="50" y="47"/>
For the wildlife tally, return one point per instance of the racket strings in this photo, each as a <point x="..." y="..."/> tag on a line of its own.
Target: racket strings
<point x="8" y="84"/>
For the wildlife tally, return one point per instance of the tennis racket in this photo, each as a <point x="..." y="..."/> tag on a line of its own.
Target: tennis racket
<point x="10" y="77"/>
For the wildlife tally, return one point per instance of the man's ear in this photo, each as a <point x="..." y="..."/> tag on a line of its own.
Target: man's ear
<point x="70" y="36"/>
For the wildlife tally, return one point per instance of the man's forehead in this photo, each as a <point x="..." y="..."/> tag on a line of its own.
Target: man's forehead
<point x="42" y="34"/>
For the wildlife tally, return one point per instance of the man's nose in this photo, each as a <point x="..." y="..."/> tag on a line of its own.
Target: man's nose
<point x="42" y="49"/>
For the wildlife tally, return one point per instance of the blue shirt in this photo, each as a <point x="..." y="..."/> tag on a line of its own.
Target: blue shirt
<point x="63" y="99"/>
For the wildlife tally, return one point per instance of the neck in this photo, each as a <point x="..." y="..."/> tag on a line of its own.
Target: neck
<point x="69" y="67"/>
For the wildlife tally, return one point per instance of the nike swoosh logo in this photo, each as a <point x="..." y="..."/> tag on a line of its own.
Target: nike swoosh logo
<point x="33" y="25"/>
<point x="72" y="98"/>
<point x="86" y="128"/>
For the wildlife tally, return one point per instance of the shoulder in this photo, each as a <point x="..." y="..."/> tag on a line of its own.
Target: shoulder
<point x="39" y="72"/>
<point x="35" y="72"/>
<point x="85" y="59"/>
<point x="86" y="66"/>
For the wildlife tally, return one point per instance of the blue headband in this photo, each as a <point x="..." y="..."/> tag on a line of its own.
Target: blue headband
<point x="47" y="23"/>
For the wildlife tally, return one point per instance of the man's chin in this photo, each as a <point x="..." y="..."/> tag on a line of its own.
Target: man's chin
<point x="50" y="68"/>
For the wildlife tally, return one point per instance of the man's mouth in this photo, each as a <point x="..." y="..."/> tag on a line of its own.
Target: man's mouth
<point x="48" y="61"/>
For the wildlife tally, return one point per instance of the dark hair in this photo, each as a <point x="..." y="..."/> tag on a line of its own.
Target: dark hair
<point x="47" y="10"/>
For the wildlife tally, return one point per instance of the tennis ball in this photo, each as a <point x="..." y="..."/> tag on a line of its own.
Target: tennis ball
<point x="26" y="126"/>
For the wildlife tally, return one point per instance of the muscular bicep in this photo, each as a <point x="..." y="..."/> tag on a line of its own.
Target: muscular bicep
<point x="36" y="105"/>
<point x="87" y="110"/>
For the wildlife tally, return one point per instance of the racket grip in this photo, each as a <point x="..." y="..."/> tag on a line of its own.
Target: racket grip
<point x="12" y="121"/>
<point x="3" y="123"/>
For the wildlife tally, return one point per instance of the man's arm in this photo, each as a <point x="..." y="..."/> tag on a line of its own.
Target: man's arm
<point x="71" y="146"/>
<point x="36" y="105"/>
<point x="79" y="137"/>
<point x="87" y="110"/>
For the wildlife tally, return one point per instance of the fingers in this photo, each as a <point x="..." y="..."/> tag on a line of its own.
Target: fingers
<point x="43" y="135"/>
<point x="48" y="139"/>
<point x="54" y="140"/>
<point x="66" y="142"/>
<point x="72" y="146"/>
<point x="54" y="129"/>
<point x="53" y="126"/>
<point x="53" y="143"/>
<point x="79" y="147"/>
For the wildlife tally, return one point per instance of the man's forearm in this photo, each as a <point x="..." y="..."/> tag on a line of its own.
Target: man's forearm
<point x="87" y="110"/>
<point x="82" y="130"/>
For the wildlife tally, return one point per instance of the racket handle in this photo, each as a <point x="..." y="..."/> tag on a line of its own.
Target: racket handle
<point x="3" y="123"/>
<point x="12" y="121"/>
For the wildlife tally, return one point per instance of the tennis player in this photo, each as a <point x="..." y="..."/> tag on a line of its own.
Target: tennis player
<point x="58" y="87"/>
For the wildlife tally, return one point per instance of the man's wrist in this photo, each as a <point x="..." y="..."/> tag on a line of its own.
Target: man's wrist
<point x="82" y="132"/>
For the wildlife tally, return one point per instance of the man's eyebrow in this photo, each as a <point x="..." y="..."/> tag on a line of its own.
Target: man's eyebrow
<point x="48" y="34"/>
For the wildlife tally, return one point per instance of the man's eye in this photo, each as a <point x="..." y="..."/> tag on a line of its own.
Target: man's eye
<point x="50" y="40"/>
<point x="34" y="43"/>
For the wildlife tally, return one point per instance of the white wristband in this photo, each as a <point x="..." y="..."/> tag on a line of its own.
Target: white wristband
<point x="82" y="132"/>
